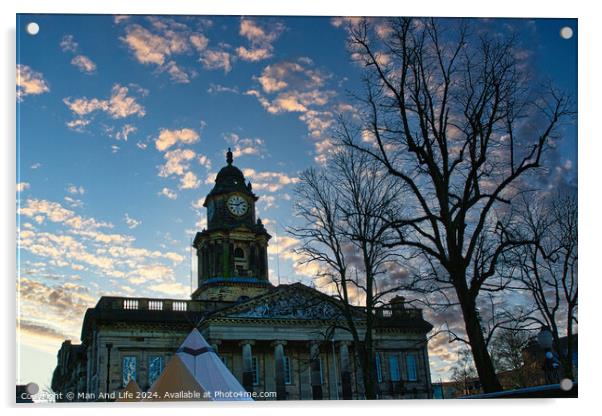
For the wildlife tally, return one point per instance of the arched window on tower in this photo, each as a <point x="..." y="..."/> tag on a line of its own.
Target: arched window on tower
<point x="240" y="262"/>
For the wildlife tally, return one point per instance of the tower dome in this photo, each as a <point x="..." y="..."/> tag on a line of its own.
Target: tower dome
<point x="230" y="179"/>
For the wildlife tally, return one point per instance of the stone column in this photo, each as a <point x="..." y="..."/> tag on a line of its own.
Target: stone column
<point x="345" y="371"/>
<point x="279" y="368"/>
<point x="315" y="367"/>
<point x="333" y="370"/>
<point x="247" y="364"/>
<point x="427" y="372"/>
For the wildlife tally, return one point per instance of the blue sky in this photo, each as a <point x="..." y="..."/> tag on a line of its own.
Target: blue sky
<point x="123" y="121"/>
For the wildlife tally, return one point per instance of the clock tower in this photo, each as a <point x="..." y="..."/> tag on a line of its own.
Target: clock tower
<point x="232" y="252"/>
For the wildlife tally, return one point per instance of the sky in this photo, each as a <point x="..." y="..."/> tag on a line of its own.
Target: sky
<point x="123" y="122"/>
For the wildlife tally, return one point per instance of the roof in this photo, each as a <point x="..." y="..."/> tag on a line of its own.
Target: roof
<point x="284" y="302"/>
<point x="303" y="303"/>
<point x="231" y="179"/>
<point x="111" y="309"/>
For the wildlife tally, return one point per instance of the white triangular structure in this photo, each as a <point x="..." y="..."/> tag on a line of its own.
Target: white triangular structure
<point x="176" y="383"/>
<point x="131" y="393"/>
<point x="209" y="370"/>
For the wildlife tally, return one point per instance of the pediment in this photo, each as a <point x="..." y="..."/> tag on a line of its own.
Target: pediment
<point x="288" y="302"/>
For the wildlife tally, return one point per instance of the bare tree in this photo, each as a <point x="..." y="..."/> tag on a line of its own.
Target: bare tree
<point x="344" y="210"/>
<point x="507" y="353"/>
<point x="463" y="372"/>
<point x="547" y="269"/>
<point x="451" y="116"/>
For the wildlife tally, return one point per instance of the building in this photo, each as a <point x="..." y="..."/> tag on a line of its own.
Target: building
<point x="287" y="339"/>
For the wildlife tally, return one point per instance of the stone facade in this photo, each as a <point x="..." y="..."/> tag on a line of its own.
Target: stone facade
<point x="269" y="349"/>
<point x="289" y="340"/>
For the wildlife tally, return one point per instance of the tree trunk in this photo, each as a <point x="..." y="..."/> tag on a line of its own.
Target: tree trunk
<point x="567" y="362"/>
<point x="368" y="373"/>
<point x="481" y="357"/>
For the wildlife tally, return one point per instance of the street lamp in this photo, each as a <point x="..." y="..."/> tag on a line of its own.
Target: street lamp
<point x="545" y="340"/>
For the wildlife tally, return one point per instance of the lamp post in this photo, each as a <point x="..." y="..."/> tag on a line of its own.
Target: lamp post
<point x="545" y="340"/>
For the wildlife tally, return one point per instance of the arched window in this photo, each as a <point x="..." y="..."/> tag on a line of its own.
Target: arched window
<point x="239" y="253"/>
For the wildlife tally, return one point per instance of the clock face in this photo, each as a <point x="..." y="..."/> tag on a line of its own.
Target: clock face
<point x="237" y="205"/>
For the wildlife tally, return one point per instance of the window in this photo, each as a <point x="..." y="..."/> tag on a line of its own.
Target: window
<point x="179" y="306"/>
<point x="239" y="253"/>
<point x="128" y="369"/>
<point x="394" y="367"/>
<point x="130" y="304"/>
<point x="155" y="305"/>
<point x="255" y="371"/>
<point x="155" y="368"/>
<point x="411" y="367"/>
<point x="379" y="370"/>
<point x="287" y="371"/>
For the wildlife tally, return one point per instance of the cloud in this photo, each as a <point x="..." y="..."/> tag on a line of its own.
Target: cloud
<point x="76" y="243"/>
<point x="84" y="64"/>
<point x="118" y="105"/>
<point x="81" y="62"/>
<point x="269" y="181"/>
<point x="168" y="193"/>
<point x="68" y="44"/>
<point x="199" y="41"/>
<point x="189" y="181"/>
<point x="44" y="307"/>
<point x="29" y="82"/>
<point x="293" y="101"/>
<point x="78" y="124"/>
<point x="298" y="87"/>
<point x="216" y="59"/>
<point x="245" y="146"/>
<point x="345" y="21"/>
<point x="74" y="203"/>
<point x="150" y="272"/>
<point x="205" y="162"/>
<point x="125" y="131"/>
<point x="177" y="74"/>
<point x="162" y="43"/>
<point x="131" y="222"/>
<point x="39" y="330"/>
<point x="292" y="74"/>
<point x="22" y="186"/>
<point x="77" y="190"/>
<point x="118" y="18"/>
<point x="253" y="55"/>
<point x="111" y="254"/>
<point x="171" y="289"/>
<point x="149" y="48"/>
<point x="177" y="162"/>
<point x="168" y="138"/>
<point x="260" y="40"/>
<point x="217" y="88"/>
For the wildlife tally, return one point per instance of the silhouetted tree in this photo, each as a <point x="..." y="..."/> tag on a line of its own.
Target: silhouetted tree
<point x="463" y="372"/>
<point x="547" y="268"/>
<point x="454" y="117"/>
<point x="507" y="353"/>
<point x="344" y="210"/>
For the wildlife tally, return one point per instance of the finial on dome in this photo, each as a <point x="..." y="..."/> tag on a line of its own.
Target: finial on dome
<point x="229" y="156"/>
